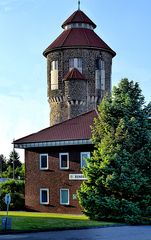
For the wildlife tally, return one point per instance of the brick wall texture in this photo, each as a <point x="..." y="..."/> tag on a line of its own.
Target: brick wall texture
<point x="54" y="179"/>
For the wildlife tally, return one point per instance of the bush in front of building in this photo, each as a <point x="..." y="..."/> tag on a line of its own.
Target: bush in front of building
<point x="118" y="185"/>
<point x="16" y="190"/>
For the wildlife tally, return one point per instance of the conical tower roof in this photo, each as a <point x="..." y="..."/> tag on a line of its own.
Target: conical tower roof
<point x="74" y="73"/>
<point x="78" y="33"/>
<point x="78" y="17"/>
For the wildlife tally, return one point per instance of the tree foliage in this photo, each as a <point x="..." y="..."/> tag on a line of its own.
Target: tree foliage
<point x="118" y="185"/>
<point x="3" y="164"/>
<point x="13" y="186"/>
<point x="7" y="166"/>
<point x="16" y="190"/>
<point x="14" y="157"/>
<point x="147" y="111"/>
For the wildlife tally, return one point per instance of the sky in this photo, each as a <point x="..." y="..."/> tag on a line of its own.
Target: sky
<point x="27" y="27"/>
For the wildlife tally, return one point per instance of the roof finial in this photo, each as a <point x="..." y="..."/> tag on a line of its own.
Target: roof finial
<point x="78" y="4"/>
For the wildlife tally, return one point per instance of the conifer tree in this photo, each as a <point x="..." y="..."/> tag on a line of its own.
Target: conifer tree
<point x="118" y="185"/>
<point x="14" y="157"/>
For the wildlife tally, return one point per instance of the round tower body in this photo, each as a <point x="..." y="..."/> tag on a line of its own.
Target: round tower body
<point x="80" y="48"/>
<point x="76" y="96"/>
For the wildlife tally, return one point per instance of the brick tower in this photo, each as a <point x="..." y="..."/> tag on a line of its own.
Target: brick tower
<point x="79" y="67"/>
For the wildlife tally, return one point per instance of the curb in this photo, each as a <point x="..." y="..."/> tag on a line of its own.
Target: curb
<point x="59" y="229"/>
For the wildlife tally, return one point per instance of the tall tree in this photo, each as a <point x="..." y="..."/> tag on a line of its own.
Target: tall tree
<point x="14" y="157"/>
<point x="118" y="185"/>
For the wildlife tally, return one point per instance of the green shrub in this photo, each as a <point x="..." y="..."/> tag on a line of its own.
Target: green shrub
<point x="16" y="190"/>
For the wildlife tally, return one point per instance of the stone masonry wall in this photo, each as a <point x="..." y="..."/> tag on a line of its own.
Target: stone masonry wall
<point x="59" y="105"/>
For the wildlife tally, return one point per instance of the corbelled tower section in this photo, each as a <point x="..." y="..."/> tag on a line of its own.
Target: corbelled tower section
<point x="79" y="66"/>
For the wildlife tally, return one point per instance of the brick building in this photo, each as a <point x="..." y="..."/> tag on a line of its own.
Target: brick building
<point x="79" y="66"/>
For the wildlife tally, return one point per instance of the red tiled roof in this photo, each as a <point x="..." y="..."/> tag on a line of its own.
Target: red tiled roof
<point x="74" y="74"/>
<point x="77" y="128"/>
<point x="78" y="37"/>
<point x="79" y="17"/>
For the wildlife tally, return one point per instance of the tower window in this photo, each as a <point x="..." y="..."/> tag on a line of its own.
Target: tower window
<point x="75" y="63"/>
<point x="54" y="75"/>
<point x="54" y="65"/>
<point x="79" y="25"/>
<point x="100" y="74"/>
<point x="79" y="62"/>
<point x="100" y="64"/>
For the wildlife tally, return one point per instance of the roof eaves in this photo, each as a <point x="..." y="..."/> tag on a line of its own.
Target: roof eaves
<point x="52" y="143"/>
<point x="77" y="47"/>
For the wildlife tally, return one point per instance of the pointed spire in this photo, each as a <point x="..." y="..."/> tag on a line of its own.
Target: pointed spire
<point x="78" y="4"/>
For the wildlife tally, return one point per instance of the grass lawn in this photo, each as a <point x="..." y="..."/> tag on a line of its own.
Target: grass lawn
<point x="44" y="221"/>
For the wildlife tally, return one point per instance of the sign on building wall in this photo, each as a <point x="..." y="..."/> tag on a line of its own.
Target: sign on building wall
<point x="74" y="196"/>
<point x="76" y="177"/>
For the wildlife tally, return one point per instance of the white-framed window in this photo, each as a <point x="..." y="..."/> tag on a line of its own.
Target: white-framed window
<point x="44" y="196"/>
<point x="43" y="161"/>
<point x="54" y="75"/>
<point x="75" y="63"/>
<point x="83" y="157"/>
<point x="64" y="196"/>
<point x="64" y="160"/>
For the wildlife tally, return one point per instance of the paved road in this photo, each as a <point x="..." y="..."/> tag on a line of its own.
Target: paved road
<point x="110" y="233"/>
